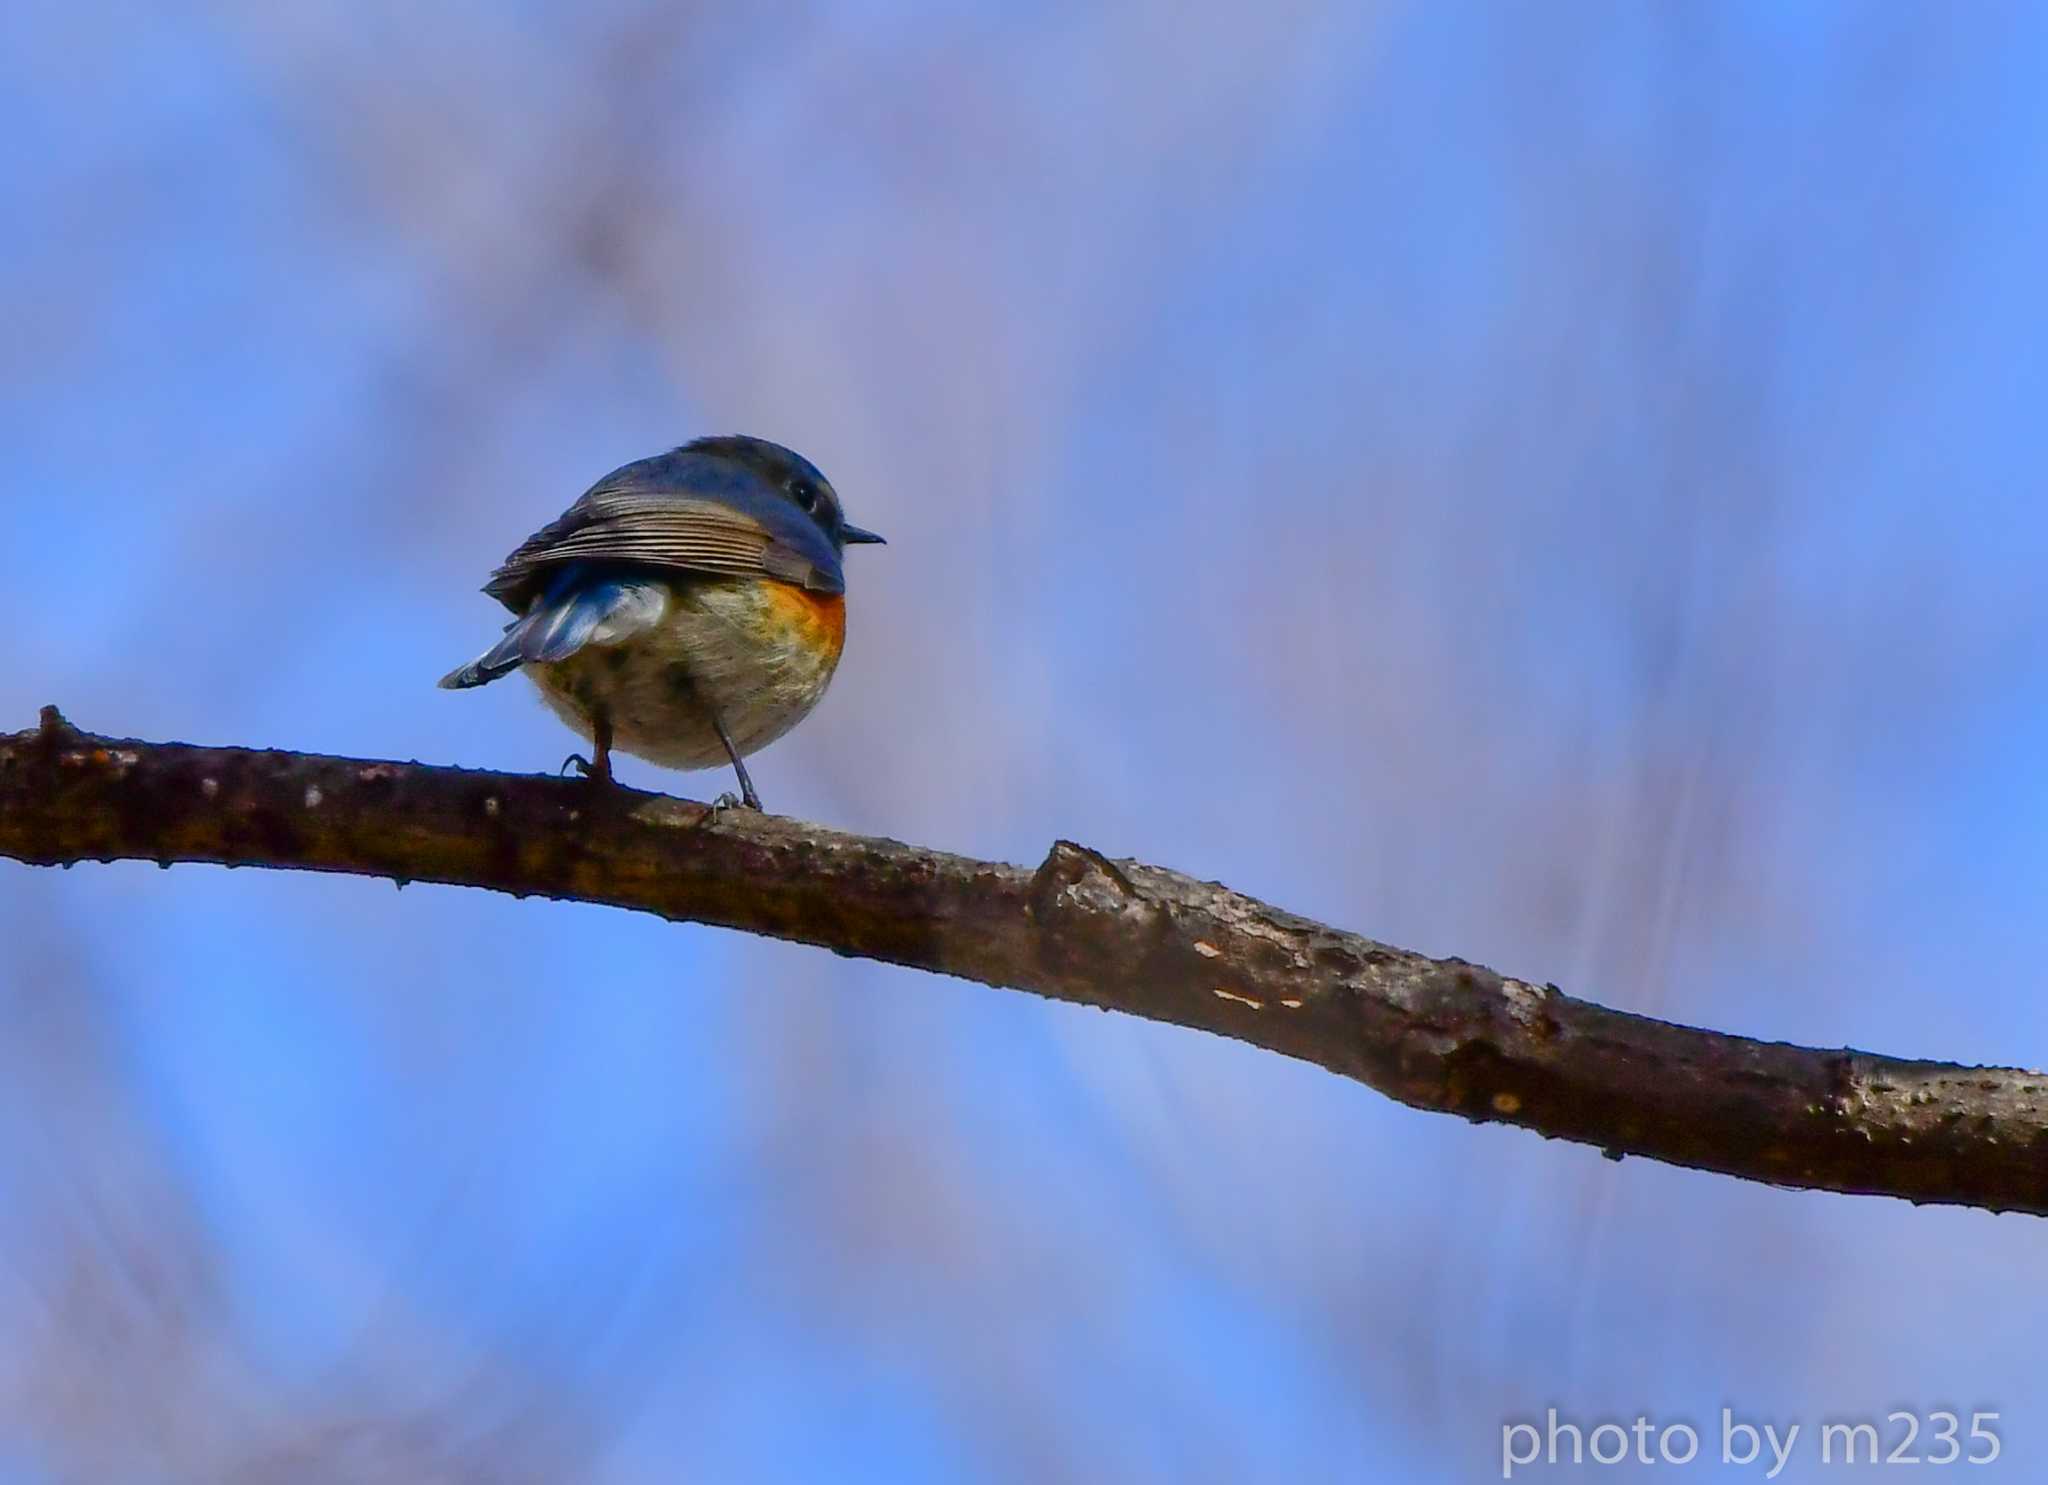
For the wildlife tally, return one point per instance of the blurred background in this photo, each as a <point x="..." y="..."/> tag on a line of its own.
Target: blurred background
<point x="1557" y="485"/>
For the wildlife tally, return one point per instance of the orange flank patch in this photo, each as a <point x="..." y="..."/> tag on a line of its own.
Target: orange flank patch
<point x="819" y="617"/>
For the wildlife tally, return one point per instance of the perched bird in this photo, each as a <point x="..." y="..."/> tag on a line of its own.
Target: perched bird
<point x="689" y="609"/>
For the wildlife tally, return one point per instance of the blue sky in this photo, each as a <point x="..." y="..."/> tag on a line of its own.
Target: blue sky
<point x="1555" y="485"/>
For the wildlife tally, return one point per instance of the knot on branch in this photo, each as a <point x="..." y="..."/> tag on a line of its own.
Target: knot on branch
<point x="53" y="731"/>
<point x="1087" y="908"/>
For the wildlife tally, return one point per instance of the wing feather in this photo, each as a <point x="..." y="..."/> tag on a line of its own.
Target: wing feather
<point x="636" y="517"/>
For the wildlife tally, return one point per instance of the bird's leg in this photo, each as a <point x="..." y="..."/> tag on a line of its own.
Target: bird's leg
<point x="599" y="769"/>
<point x="747" y="795"/>
<point x="686" y="683"/>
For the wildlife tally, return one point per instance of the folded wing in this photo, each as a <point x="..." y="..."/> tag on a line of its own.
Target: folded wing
<point x="637" y="518"/>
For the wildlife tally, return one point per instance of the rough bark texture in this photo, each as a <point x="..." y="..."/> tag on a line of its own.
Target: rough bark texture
<point x="1436" y="1034"/>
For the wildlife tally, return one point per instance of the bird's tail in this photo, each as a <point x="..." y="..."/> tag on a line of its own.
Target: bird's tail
<point x="501" y="658"/>
<point x="572" y="614"/>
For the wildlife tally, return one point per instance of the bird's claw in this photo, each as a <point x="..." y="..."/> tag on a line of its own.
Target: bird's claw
<point x="586" y="769"/>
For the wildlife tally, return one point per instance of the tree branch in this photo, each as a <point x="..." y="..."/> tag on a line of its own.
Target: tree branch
<point x="1436" y="1034"/>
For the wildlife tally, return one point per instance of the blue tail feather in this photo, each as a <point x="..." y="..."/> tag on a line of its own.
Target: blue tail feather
<point x="561" y="622"/>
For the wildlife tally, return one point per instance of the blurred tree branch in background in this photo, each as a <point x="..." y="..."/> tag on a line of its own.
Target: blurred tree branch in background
<point x="1441" y="1035"/>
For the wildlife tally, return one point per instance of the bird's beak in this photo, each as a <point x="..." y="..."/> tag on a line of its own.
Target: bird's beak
<point x="853" y="535"/>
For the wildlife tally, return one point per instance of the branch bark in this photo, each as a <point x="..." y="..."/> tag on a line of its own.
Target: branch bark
<point x="1436" y="1034"/>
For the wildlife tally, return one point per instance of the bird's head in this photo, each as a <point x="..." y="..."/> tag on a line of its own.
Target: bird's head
<point x="788" y="475"/>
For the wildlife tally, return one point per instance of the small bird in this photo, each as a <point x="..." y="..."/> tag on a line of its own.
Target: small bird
<point x="688" y="609"/>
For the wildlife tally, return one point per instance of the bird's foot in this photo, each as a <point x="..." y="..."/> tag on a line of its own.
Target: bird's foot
<point x="584" y="767"/>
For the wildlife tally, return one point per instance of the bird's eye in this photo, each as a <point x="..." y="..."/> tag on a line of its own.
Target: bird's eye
<point x="806" y="495"/>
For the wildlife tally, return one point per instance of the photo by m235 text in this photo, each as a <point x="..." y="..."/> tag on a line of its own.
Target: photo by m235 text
<point x="1937" y="1437"/>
